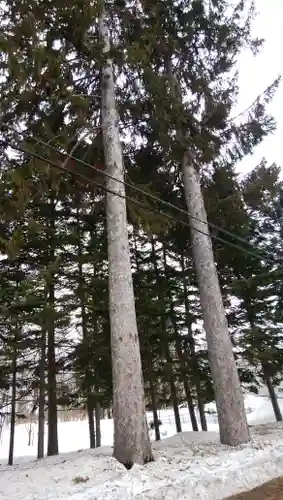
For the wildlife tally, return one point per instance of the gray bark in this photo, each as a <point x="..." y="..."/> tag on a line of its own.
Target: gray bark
<point x="131" y="438"/>
<point x="228" y="393"/>
<point x="229" y="398"/>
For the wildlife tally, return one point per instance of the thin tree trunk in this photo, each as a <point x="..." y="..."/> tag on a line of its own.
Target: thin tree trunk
<point x="131" y="437"/>
<point x="186" y="387"/>
<point x="181" y="356"/>
<point x="175" y="403"/>
<point x="228" y="393"/>
<point x="52" y="444"/>
<point x="202" y="415"/>
<point x="90" y="415"/>
<point x="41" y="399"/>
<point x="165" y="340"/>
<point x="148" y="358"/>
<point x="29" y="429"/>
<point x="272" y="395"/>
<point x="13" y="404"/>
<point x="191" y="345"/>
<point x="85" y="332"/>
<point x="274" y="400"/>
<point x="154" y="410"/>
<point x="190" y="403"/>
<point x="97" y="424"/>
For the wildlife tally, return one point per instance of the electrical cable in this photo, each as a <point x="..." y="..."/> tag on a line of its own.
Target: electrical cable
<point x="138" y="202"/>
<point x="141" y="191"/>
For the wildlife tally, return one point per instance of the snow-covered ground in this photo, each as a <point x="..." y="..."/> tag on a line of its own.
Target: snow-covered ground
<point x="187" y="466"/>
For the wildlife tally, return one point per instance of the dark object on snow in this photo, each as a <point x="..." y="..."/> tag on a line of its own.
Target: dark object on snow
<point x="152" y="426"/>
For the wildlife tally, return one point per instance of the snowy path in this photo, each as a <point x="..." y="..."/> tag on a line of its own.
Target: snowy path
<point x="188" y="466"/>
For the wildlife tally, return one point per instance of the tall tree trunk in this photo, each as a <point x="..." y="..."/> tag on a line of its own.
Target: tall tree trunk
<point x="228" y="393"/>
<point x="85" y="332"/>
<point x="272" y="394"/>
<point x="229" y="398"/>
<point x="41" y="399"/>
<point x="13" y="403"/>
<point x="52" y="443"/>
<point x="90" y="415"/>
<point x="131" y="437"/>
<point x="97" y="424"/>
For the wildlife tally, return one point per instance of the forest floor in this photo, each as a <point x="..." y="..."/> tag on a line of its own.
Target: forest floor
<point x="273" y="490"/>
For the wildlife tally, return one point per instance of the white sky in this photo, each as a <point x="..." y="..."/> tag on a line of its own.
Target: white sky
<point x="256" y="73"/>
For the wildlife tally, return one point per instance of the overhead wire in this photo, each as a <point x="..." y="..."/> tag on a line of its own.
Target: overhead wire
<point x="138" y="190"/>
<point x="135" y="201"/>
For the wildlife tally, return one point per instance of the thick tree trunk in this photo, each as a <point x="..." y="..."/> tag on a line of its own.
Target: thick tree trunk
<point x="41" y="399"/>
<point x="52" y="443"/>
<point x="228" y="393"/>
<point x="13" y="405"/>
<point x="97" y="424"/>
<point x="131" y="437"/>
<point x="90" y="415"/>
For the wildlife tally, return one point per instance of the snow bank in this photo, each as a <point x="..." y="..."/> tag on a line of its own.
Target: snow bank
<point x="264" y="412"/>
<point x="188" y="466"/>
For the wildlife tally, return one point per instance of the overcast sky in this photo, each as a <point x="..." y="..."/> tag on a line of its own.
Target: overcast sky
<point x="256" y="73"/>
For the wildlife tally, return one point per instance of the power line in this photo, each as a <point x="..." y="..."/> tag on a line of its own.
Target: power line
<point x="266" y="90"/>
<point x="135" y="201"/>
<point x="141" y="191"/>
<point x="138" y="202"/>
